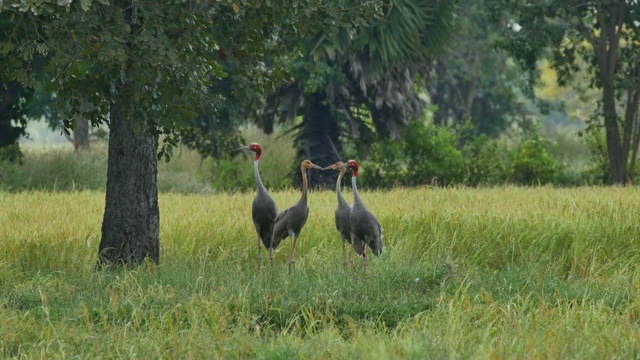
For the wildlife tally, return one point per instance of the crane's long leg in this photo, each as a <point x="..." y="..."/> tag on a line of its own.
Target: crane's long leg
<point x="271" y="250"/>
<point x="364" y="257"/>
<point x="351" y="253"/>
<point x="271" y="257"/>
<point x="292" y="261"/>
<point x="344" y="255"/>
<point x="259" y="249"/>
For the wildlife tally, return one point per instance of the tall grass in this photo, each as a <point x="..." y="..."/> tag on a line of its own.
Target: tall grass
<point x="466" y="273"/>
<point x="60" y="168"/>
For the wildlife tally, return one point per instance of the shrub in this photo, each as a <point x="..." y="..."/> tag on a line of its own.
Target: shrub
<point x="598" y="173"/>
<point x="486" y="161"/>
<point x="427" y="154"/>
<point x="11" y="153"/>
<point x="532" y="163"/>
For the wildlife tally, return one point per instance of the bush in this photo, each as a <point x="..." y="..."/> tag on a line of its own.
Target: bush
<point x="427" y="154"/>
<point x="598" y="173"/>
<point x="11" y="153"/>
<point x="532" y="163"/>
<point x="486" y="161"/>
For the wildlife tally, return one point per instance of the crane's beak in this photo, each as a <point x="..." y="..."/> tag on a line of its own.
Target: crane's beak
<point x="330" y="167"/>
<point x="246" y="147"/>
<point x="344" y="165"/>
<point x="316" y="166"/>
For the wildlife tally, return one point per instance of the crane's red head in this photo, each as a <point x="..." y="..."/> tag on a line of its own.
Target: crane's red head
<point x="255" y="147"/>
<point x="354" y="166"/>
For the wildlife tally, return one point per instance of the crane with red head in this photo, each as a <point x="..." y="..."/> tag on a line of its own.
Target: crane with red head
<point x="364" y="225"/>
<point x="342" y="219"/>
<point x="263" y="209"/>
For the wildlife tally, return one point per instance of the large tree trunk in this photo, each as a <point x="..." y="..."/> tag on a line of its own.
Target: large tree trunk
<point x="130" y="228"/>
<point x="81" y="134"/>
<point x="606" y="47"/>
<point x="617" y="159"/>
<point x="320" y="141"/>
<point x="632" y="122"/>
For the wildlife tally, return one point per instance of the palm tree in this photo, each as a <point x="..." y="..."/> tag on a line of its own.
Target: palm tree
<point x="361" y="85"/>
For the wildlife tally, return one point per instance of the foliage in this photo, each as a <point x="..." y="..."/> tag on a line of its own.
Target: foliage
<point x="467" y="273"/>
<point x="475" y="80"/>
<point x="375" y="68"/>
<point x="11" y="153"/>
<point x="169" y="53"/>
<point x="597" y="145"/>
<point x="359" y="85"/>
<point x="427" y="154"/>
<point x="604" y="37"/>
<point x="486" y="161"/>
<point x="532" y="164"/>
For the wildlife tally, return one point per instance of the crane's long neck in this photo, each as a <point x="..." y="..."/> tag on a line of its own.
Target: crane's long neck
<point x="338" y="191"/>
<point x="356" y="195"/>
<point x="305" y="186"/>
<point x="261" y="187"/>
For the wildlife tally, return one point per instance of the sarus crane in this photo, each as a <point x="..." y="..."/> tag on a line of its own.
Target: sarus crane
<point x="364" y="225"/>
<point x="289" y="223"/>
<point x="343" y="221"/>
<point x="263" y="209"/>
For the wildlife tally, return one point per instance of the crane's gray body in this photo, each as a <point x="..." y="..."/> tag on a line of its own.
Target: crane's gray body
<point x="343" y="221"/>
<point x="263" y="211"/>
<point x="364" y="225"/>
<point x="291" y="221"/>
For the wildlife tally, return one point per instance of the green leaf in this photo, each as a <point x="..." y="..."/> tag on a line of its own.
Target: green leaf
<point x="85" y="4"/>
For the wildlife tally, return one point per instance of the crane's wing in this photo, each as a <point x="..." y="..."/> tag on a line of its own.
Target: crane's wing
<point x="281" y="215"/>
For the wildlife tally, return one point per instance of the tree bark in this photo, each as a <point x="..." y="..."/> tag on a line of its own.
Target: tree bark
<point x="631" y="117"/>
<point x="321" y="139"/>
<point x="81" y="134"/>
<point x="606" y="47"/>
<point x="617" y="167"/>
<point x="130" y="227"/>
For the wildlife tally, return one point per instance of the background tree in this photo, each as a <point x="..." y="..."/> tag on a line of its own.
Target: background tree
<point x="364" y="84"/>
<point x="473" y="80"/>
<point x="145" y="68"/>
<point x="605" y="35"/>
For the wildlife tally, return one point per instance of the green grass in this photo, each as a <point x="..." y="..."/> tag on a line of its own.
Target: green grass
<point x="466" y="273"/>
<point x="60" y="168"/>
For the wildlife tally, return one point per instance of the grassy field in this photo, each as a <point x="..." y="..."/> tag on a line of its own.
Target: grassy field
<point x="467" y="273"/>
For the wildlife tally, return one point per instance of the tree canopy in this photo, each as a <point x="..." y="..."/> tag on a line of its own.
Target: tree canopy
<point x="360" y="84"/>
